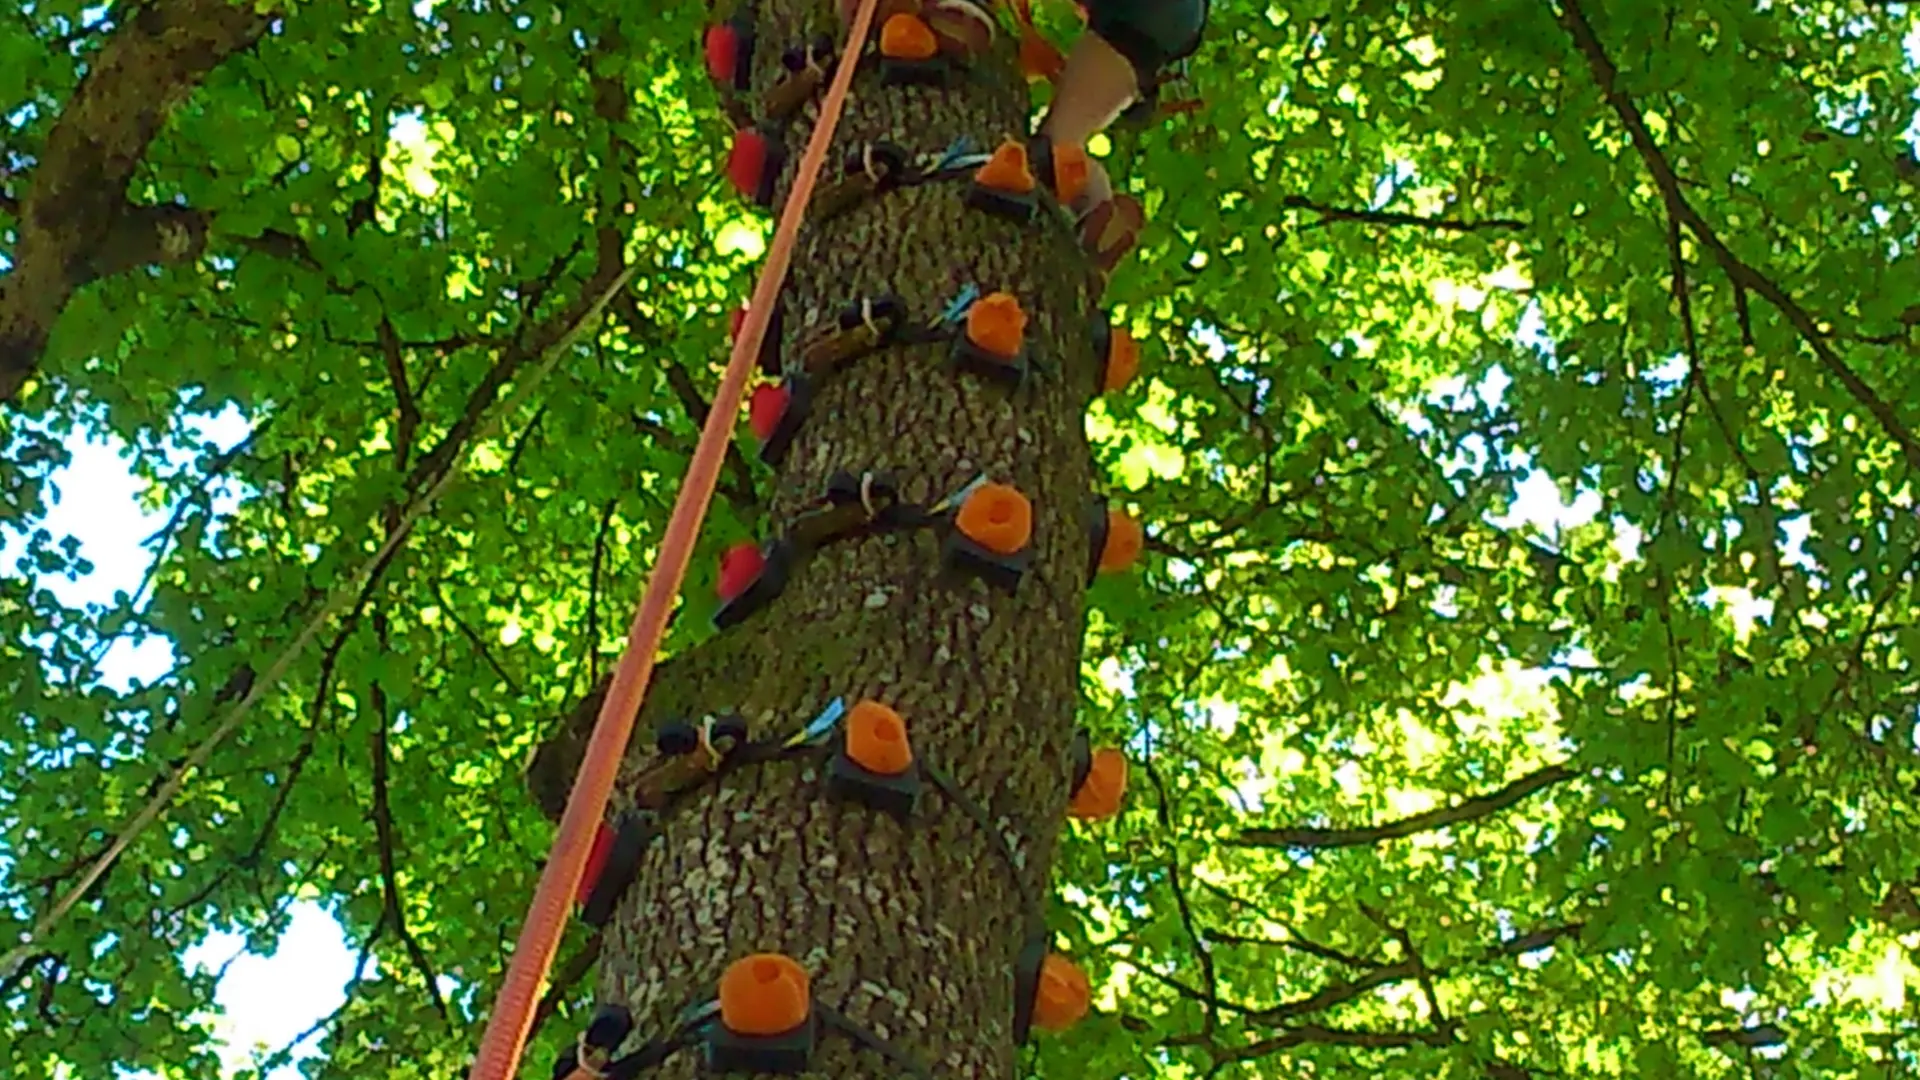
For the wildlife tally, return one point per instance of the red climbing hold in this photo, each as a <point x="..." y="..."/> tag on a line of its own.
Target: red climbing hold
<point x="739" y="567"/>
<point x="752" y="165"/>
<point x="723" y="53"/>
<point x="596" y="862"/>
<point x="765" y="408"/>
<point x="746" y="160"/>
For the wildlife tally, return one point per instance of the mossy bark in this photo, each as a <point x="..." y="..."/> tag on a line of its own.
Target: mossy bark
<point x="910" y="930"/>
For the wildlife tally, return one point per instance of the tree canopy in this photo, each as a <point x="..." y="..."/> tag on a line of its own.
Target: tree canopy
<point x="1422" y="786"/>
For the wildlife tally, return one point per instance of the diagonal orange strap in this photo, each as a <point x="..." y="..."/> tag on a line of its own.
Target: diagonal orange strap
<point x="506" y="1033"/>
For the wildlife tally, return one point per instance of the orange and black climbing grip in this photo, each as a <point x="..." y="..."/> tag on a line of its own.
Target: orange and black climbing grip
<point x="874" y="764"/>
<point x="1114" y="539"/>
<point x="1064" y="169"/>
<point x="991" y="537"/>
<point x="1099" y="780"/>
<point x="1117" y="352"/>
<point x="1062" y="994"/>
<point x="910" y="53"/>
<point x="766" y="1022"/>
<point x="1050" y="992"/>
<point x="993" y="344"/>
<point x="1004" y="185"/>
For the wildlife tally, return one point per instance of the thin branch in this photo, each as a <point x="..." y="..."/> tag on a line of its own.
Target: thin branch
<point x="531" y="344"/>
<point x="409" y="418"/>
<point x="1472" y="809"/>
<point x="1750" y="1038"/>
<point x="1175" y="877"/>
<point x="525" y="439"/>
<point x="164" y="537"/>
<point x="384" y="833"/>
<point x="1606" y="76"/>
<point x="479" y="644"/>
<point x="1297" y="942"/>
<point x="593" y="595"/>
<point x="1421" y="973"/>
<point x="284" y="1056"/>
<point x="1325" y="1036"/>
<point x="739" y="491"/>
<point x="1393" y="219"/>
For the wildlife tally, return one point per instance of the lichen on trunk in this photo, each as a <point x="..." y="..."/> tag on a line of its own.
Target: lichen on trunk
<point x="911" y="930"/>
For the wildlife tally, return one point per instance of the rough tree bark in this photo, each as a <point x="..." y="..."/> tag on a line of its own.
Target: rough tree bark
<point x="913" y="931"/>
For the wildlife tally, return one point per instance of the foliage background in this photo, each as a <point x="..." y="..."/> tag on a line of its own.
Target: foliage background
<point x="1404" y="258"/>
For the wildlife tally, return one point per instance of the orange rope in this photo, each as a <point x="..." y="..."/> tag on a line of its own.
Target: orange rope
<point x="506" y="1033"/>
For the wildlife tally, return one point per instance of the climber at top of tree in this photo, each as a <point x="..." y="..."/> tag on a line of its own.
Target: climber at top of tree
<point x="1128" y="45"/>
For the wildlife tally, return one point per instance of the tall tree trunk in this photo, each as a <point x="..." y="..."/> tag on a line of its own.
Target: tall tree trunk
<point x="912" y="930"/>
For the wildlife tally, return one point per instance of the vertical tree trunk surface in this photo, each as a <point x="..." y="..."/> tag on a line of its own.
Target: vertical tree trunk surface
<point x="910" y="930"/>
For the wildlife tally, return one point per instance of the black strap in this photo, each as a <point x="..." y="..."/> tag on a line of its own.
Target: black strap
<point x="865" y="1037"/>
<point x="958" y="796"/>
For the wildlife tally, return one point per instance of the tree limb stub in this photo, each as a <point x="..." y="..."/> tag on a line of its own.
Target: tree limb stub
<point x="76" y="225"/>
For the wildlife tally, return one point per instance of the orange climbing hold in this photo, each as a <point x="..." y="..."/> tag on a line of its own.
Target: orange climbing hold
<point x="1098" y="796"/>
<point x="1072" y="169"/>
<point x="908" y="37"/>
<point x="764" y="994"/>
<point x="1063" y="995"/>
<point x="877" y="739"/>
<point x="1125" y="538"/>
<point x="997" y="326"/>
<point x="1123" y="361"/>
<point x="1007" y="170"/>
<point x="997" y="517"/>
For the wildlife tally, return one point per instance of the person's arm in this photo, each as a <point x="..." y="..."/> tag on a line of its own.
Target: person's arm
<point x="1094" y="87"/>
<point x="1127" y="44"/>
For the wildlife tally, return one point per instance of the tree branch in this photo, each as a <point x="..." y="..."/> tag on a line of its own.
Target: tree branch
<point x="1750" y="1038"/>
<point x="1175" y="879"/>
<point x="75" y="223"/>
<point x="1393" y="219"/>
<point x="394" y="905"/>
<point x="1472" y="809"/>
<point x="529" y="345"/>
<point x="479" y="644"/>
<point x="1743" y="275"/>
<point x="409" y="418"/>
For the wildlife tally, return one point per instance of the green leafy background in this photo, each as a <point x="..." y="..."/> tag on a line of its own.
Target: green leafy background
<point x="1405" y="262"/>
